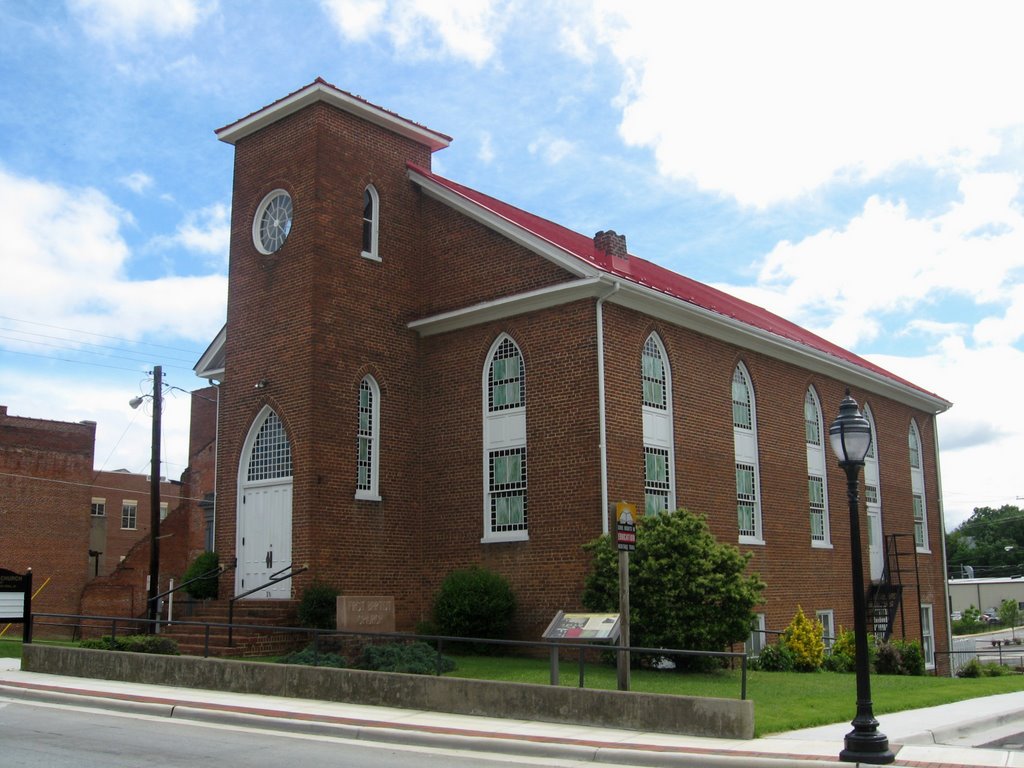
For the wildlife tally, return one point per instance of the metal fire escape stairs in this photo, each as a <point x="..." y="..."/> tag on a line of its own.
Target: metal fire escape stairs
<point x="885" y="596"/>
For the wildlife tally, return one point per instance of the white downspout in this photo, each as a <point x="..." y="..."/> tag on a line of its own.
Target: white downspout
<point x="602" y="419"/>
<point x="945" y="564"/>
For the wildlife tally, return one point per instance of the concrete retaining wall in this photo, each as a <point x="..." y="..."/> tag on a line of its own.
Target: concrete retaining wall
<point x="722" y="718"/>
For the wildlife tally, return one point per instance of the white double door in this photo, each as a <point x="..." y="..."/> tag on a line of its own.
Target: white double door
<point x="265" y="538"/>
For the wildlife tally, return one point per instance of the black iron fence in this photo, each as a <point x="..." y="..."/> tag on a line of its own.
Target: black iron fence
<point x="319" y="639"/>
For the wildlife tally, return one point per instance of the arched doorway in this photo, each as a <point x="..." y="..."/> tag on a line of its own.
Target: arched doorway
<point x="264" y="530"/>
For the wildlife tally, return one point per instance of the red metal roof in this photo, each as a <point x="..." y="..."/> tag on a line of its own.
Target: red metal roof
<point x="665" y="281"/>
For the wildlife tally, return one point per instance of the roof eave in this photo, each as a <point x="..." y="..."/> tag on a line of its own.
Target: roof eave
<point x="321" y="91"/>
<point x="211" y="365"/>
<point x="723" y="328"/>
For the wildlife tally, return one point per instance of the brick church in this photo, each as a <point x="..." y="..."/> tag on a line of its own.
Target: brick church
<point x="416" y="377"/>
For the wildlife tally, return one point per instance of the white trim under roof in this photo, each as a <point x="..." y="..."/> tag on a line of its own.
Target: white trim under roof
<point x="473" y="210"/>
<point x="650" y="301"/>
<point x="211" y="364"/>
<point x="508" y="306"/>
<point x="321" y="91"/>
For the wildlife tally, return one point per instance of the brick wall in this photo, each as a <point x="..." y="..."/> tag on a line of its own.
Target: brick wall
<point x="45" y="474"/>
<point x="314" y="318"/>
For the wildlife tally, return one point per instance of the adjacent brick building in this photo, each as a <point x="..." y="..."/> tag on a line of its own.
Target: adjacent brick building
<point x="46" y="477"/>
<point x="417" y="377"/>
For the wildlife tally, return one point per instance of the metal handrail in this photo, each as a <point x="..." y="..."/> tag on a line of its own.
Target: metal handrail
<point x="275" y="578"/>
<point x="209" y="574"/>
<point x="582" y="647"/>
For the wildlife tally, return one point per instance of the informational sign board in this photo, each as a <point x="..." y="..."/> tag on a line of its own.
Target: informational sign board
<point x="625" y="526"/>
<point x="16" y="600"/>
<point x="598" y="627"/>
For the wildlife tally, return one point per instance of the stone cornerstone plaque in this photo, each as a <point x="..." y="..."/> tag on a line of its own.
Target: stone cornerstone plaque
<point x="366" y="614"/>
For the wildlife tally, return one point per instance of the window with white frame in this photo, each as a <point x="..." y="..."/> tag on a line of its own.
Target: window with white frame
<point x="98" y="507"/>
<point x="758" y="636"/>
<point x="165" y="508"/>
<point x="917" y="489"/>
<point x="656" y="484"/>
<point x="368" y="440"/>
<point x="271" y="452"/>
<point x="828" y="627"/>
<point x="129" y="515"/>
<point x="928" y="636"/>
<point x="371" y="222"/>
<point x="659" y="449"/>
<point x="744" y="422"/>
<point x="506" y="511"/>
<point x="872" y="488"/>
<point x="817" y="490"/>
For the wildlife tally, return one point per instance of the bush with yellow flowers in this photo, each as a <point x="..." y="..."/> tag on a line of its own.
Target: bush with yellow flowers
<point x="804" y="638"/>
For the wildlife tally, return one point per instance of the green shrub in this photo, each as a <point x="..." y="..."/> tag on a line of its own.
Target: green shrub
<point x="975" y="668"/>
<point x="411" y="658"/>
<point x="202" y="589"/>
<point x="899" y="657"/>
<point x="846" y="645"/>
<point x="687" y="590"/>
<point x="134" y="643"/>
<point x="804" y="638"/>
<point x="776" y="658"/>
<point x="318" y="608"/>
<point x="474" y="602"/>
<point x="838" y="662"/>
<point x="309" y="657"/>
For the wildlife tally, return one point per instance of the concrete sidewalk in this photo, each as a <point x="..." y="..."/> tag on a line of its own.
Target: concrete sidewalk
<point x="939" y="736"/>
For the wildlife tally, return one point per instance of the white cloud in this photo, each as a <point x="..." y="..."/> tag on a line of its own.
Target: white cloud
<point x="64" y="259"/>
<point x="129" y="20"/>
<point x="137" y="182"/>
<point x="486" y="153"/>
<point x="768" y="101"/>
<point x="423" y="29"/>
<point x="841" y="282"/>
<point x="207" y="231"/>
<point x="979" y="443"/>
<point x="552" y="149"/>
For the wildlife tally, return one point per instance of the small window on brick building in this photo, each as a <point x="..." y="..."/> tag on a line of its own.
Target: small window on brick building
<point x="748" y="473"/>
<point x="368" y="441"/>
<point x="129" y="515"/>
<point x="506" y="508"/>
<point x="371" y="222"/>
<point x="817" y="480"/>
<point x="164" y="509"/>
<point x="98" y="508"/>
<point x="659" y="448"/>
<point x="917" y="490"/>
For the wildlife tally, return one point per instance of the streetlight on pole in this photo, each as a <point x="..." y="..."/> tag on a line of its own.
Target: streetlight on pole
<point x="154" y="496"/>
<point x="850" y="436"/>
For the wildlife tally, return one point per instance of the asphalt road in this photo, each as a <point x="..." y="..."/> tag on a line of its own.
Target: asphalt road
<point x="37" y="735"/>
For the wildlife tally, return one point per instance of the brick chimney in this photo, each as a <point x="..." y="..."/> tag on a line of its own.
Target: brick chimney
<point x="612" y="244"/>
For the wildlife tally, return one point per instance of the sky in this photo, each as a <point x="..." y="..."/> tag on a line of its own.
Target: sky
<point x="854" y="167"/>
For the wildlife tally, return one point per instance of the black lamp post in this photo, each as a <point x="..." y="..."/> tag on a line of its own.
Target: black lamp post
<point x="850" y="436"/>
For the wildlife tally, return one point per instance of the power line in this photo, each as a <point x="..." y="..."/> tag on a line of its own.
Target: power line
<point x="97" y="335"/>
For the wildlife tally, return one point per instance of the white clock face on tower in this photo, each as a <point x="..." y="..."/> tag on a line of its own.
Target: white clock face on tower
<point x="273" y="222"/>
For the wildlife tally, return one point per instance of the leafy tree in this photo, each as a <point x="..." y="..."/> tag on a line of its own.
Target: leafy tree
<point x="686" y="590"/>
<point x="1009" y="613"/>
<point x="991" y="541"/>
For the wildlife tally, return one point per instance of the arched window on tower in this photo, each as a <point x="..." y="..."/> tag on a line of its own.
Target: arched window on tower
<point x="371" y="222"/>
<point x="368" y="441"/>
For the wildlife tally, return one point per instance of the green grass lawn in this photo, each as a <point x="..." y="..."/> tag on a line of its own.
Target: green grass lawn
<point x="783" y="701"/>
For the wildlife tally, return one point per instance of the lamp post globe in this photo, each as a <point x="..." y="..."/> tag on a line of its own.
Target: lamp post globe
<point x="850" y="437"/>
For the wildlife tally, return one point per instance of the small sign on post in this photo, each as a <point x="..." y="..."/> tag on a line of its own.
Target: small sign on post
<point x="625" y="526"/>
<point x="16" y="600"/>
<point x="580" y="627"/>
